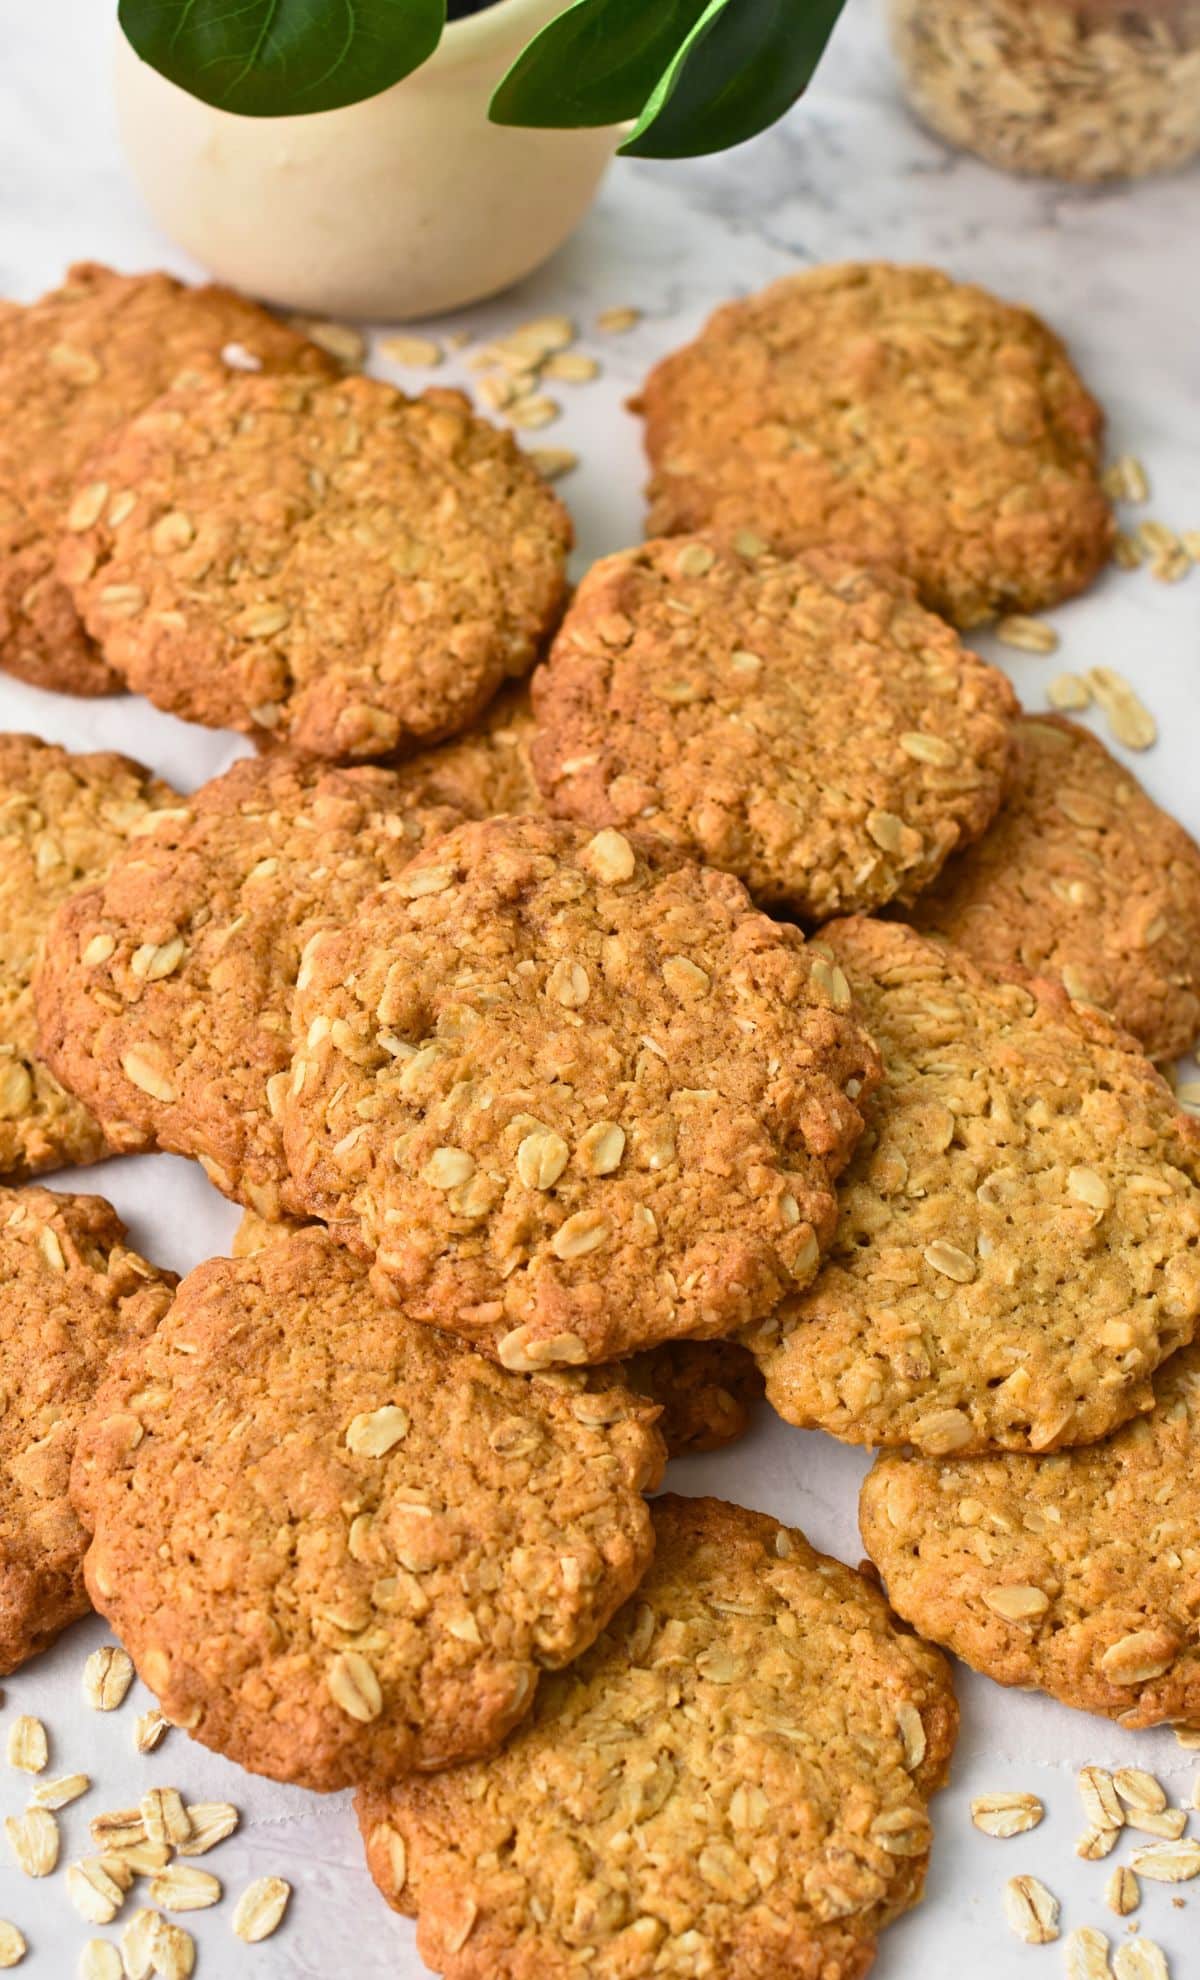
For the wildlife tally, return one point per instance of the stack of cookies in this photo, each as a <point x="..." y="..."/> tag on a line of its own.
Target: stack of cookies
<point x="758" y="999"/>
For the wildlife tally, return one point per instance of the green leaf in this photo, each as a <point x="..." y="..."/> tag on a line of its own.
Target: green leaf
<point x="283" y="58"/>
<point x="742" y="66"/>
<point x="597" y="63"/>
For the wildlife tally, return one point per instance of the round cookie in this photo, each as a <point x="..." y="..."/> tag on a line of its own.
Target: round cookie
<point x="1082" y="877"/>
<point x="733" y="1781"/>
<point x="692" y="693"/>
<point x="339" y="1546"/>
<point x="326" y="562"/>
<point x="1074" y="1574"/>
<point x="63" y="820"/>
<point x="73" y="367"/>
<point x="916" y="421"/>
<point x="1019" y="1240"/>
<point x="573" y="1103"/>
<point x="71" y="1295"/>
<point x="164" y="994"/>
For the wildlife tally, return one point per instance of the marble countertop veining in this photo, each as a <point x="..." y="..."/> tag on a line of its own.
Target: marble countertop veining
<point x="848" y="174"/>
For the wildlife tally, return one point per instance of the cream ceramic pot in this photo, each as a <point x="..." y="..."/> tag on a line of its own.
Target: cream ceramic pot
<point x="404" y="205"/>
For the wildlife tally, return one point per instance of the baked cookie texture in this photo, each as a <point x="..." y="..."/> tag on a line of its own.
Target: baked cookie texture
<point x="322" y="561"/>
<point x="692" y="693"/>
<point x="72" y="1294"/>
<point x="73" y="367"/>
<point x="732" y="1782"/>
<point x="487" y="772"/>
<point x="1082" y="877"/>
<point x="63" y="820"/>
<point x="573" y="1102"/>
<point x="1019" y="1241"/>
<point x="916" y="421"/>
<point x="339" y="1546"/>
<point x="1074" y="1574"/>
<point x="164" y="995"/>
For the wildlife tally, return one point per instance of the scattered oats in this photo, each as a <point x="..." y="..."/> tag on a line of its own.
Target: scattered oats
<point x="341" y="340"/>
<point x="184" y="1888"/>
<point x="33" y="1840"/>
<point x="1029" y="635"/>
<point x="1096" y="1843"/>
<point x="28" y="1747"/>
<point x="150" y="1730"/>
<point x="1006" y="1814"/>
<point x="1127" y="551"/>
<point x="137" y="1945"/>
<point x="1187" y="1736"/>
<point x="496" y="390"/>
<point x="172" y="1950"/>
<point x="1099" y="1797"/>
<point x="259" y="1911"/>
<point x="1140" y="1790"/>
<point x="572" y="367"/>
<point x="165" y="1816"/>
<point x="537" y="410"/>
<point x="1156" y="537"/>
<point x="145" y="1859"/>
<point x="211" y="1822"/>
<point x="542" y="335"/>
<point x="1069" y="691"/>
<point x="1171" y="565"/>
<point x="1175" y="1862"/>
<point x="553" y="462"/>
<point x="12" y="1945"/>
<point x="411" y="350"/>
<point x="1085" y="1954"/>
<point x="1129" y="720"/>
<point x="1190" y="539"/>
<point x="1122" y="1892"/>
<point x="614" y="321"/>
<point x="57" y="1793"/>
<point x="100" y="1960"/>
<point x="1140" y="1959"/>
<point x="96" y="1893"/>
<point x="117" y="1828"/>
<point x="1126" y="480"/>
<point x="1031" y="1910"/>
<point x="107" y="1676"/>
<point x="1168" y="1822"/>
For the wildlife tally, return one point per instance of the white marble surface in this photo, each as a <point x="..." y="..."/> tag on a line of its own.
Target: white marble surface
<point x="847" y="175"/>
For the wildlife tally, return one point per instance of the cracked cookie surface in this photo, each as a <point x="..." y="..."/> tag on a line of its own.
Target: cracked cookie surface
<point x="913" y="420"/>
<point x="732" y="1782"/>
<point x="340" y="1546"/>
<point x="1019" y="1241"/>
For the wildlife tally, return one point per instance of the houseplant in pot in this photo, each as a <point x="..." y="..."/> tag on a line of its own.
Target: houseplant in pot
<point x="401" y="157"/>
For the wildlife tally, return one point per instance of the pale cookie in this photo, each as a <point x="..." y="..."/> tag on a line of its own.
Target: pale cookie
<point x="164" y="996"/>
<point x="1019" y="1241"/>
<point x="63" y="820"/>
<point x="1074" y="1574"/>
<point x="1084" y="878"/>
<point x="695" y="691"/>
<point x="71" y="1294"/>
<point x="575" y="1103"/>
<point x="340" y="1546"/>
<point x="73" y="367"/>
<point x="329" y="563"/>
<point x="917" y="422"/>
<point x="732" y="1784"/>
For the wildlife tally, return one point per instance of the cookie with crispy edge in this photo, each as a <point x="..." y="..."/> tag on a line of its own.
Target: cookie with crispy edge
<point x="1083" y="877"/>
<point x="733" y="1781"/>
<point x="1073" y="1574"/>
<point x="573" y="1101"/>
<point x="73" y="366"/>
<point x="696" y="689"/>
<point x="917" y="421"/>
<point x="63" y="821"/>
<point x="72" y="1295"/>
<point x="340" y="1546"/>
<point x="327" y="562"/>
<point x="1019" y="1241"/>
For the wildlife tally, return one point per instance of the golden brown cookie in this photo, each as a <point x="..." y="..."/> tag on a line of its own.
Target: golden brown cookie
<point x="71" y="1295"/>
<point x="326" y="562"/>
<point x="911" y="419"/>
<point x="732" y="1782"/>
<point x="1019" y="1240"/>
<point x="73" y="367"/>
<point x="1084" y="878"/>
<point x="486" y="772"/>
<point x="1073" y="1574"/>
<point x="63" y="820"/>
<point x="695" y="692"/>
<point x="339" y="1546"/>
<point x="574" y="1102"/>
<point x="164" y="995"/>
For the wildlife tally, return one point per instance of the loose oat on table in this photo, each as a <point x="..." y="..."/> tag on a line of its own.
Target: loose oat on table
<point x="732" y="1781"/>
<point x="100" y="1960"/>
<point x="1095" y="1844"/>
<point x="691" y="694"/>
<point x="1084" y="877"/>
<point x="1101" y="1802"/>
<point x="1140" y="1959"/>
<point x="210" y="1823"/>
<point x="1085" y="1954"/>
<point x="181" y="1887"/>
<point x="326" y="563"/>
<point x="1031" y="1910"/>
<point x="572" y="1100"/>
<point x="173" y="1950"/>
<point x="27" y="1747"/>
<point x="259" y="1911"/>
<point x="424" y="351"/>
<point x="12" y="1944"/>
<point x="64" y="819"/>
<point x="1128" y="717"/>
<point x="107" y="1676"/>
<point x="58" y="1793"/>
<point x="33" y="1838"/>
<point x="1007" y="1813"/>
<point x="1122" y="1892"/>
<point x="150" y="1730"/>
<point x="908" y="419"/>
<point x="378" y="1531"/>
<point x="1175" y="1862"/>
<point x="1026" y="634"/>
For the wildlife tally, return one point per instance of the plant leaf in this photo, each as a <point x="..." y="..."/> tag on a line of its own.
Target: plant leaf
<point x="596" y="63"/>
<point x="283" y="58"/>
<point x="744" y="63"/>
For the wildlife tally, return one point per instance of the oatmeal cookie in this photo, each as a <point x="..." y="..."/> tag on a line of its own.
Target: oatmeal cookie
<point x="71" y="1295"/>
<point x="487" y="772"/>
<point x="1082" y="877"/>
<point x="340" y="1546"/>
<point x="916" y="421"/>
<point x="326" y="562"/>
<point x="164" y="994"/>
<point x="1073" y="1574"/>
<point x="73" y="367"/>
<point x="1019" y="1240"/>
<point x="574" y="1103"/>
<point x="63" y="820"/>
<point x="693" y="691"/>
<point x="733" y="1781"/>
